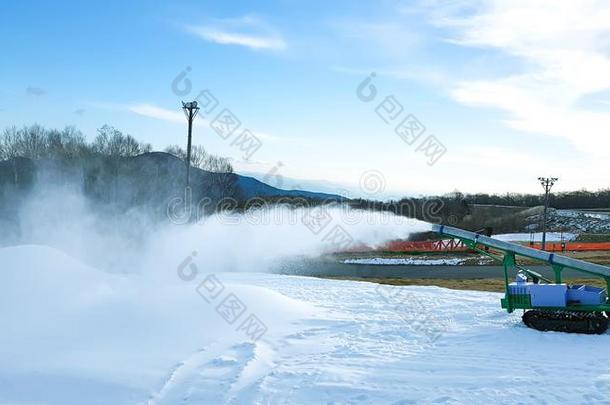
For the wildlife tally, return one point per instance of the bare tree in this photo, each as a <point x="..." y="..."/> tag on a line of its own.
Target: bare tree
<point x="33" y="141"/>
<point x="176" y="151"/>
<point x="112" y="142"/>
<point x="30" y="142"/>
<point x="198" y="154"/>
<point x="9" y="144"/>
<point x="223" y="178"/>
<point x="68" y="143"/>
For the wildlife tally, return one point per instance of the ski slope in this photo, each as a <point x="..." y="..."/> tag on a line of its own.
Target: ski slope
<point x="72" y="334"/>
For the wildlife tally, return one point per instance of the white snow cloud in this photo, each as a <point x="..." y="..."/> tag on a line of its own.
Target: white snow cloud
<point x="152" y="111"/>
<point x="175" y="116"/>
<point x="562" y="48"/>
<point x="164" y="114"/>
<point x="247" y="31"/>
<point x="231" y="38"/>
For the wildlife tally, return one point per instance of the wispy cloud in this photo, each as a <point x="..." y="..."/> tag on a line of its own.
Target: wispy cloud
<point x="35" y="91"/>
<point x="153" y="111"/>
<point x="176" y="116"/>
<point x="247" y="31"/>
<point x="164" y="114"/>
<point x="562" y="50"/>
<point x="234" y="38"/>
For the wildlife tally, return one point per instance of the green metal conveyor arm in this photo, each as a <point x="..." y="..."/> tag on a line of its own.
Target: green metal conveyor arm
<point x="557" y="261"/>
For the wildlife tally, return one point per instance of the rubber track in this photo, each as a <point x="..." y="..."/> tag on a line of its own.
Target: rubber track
<point x="591" y="323"/>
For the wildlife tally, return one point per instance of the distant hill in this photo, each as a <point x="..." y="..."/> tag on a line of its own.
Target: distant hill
<point x="322" y="186"/>
<point x="147" y="184"/>
<point x="251" y="187"/>
<point x="148" y="180"/>
<point x="245" y="186"/>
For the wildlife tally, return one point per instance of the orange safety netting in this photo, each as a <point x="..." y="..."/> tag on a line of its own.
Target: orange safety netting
<point x="571" y="246"/>
<point x="455" y="245"/>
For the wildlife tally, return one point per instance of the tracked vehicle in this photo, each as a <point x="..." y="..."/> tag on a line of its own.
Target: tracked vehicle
<point x="549" y="305"/>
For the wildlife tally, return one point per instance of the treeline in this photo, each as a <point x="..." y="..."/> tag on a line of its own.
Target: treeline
<point x="201" y="159"/>
<point x="562" y="200"/>
<point x="448" y="209"/>
<point x="458" y="205"/>
<point x="479" y="211"/>
<point x="36" y="142"/>
<point x="114" y="172"/>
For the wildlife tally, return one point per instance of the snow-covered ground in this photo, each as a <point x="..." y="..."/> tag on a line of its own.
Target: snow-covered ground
<point x="536" y="237"/>
<point x="408" y="261"/>
<point x="73" y="334"/>
<point x="577" y="213"/>
<point x="573" y="220"/>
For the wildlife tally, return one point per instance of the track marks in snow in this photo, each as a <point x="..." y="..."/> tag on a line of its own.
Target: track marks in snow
<point x="180" y="374"/>
<point x="204" y="377"/>
<point x="218" y="374"/>
<point x="362" y="349"/>
<point x="252" y="373"/>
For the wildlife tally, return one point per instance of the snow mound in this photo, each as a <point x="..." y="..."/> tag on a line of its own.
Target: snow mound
<point x="266" y="301"/>
<point x="73" y="335"/>
<point x="34" y="258"/>
<point x="72" y="332"/>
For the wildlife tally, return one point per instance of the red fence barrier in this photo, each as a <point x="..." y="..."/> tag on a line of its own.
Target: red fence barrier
<point x="571" y="246"/>
<point x="456" y="245"/>
<point x="448" y="245"/>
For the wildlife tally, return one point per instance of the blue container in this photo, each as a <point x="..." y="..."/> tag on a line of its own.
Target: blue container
<point x="579" y="294"/>
<point x="548" y="295"/>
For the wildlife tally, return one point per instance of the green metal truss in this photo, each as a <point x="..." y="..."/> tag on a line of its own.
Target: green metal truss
<point x="508" y="257"/>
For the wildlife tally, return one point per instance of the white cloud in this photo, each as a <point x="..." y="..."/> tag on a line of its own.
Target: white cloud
<point x="178" y="117"/>
<point x="152" y="111"/>
<point x="231" y="38"/>
<point x="246" y="31"/>
<point x="562" y="48"/>
<point x="164" y="114"/>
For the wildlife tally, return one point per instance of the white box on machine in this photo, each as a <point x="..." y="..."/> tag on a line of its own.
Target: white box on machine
<point x="541" y="295"/>
<point x="548" y="295"/>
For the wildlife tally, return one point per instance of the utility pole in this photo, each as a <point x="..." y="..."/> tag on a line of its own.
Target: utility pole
<point x="190" y="110"/>
<point x="547" y="184"/>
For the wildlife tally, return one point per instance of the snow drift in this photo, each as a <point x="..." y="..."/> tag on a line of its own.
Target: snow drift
<point x="60" y="217"/>
<point x="73" y="334"/>
<point x="130" y="312"/>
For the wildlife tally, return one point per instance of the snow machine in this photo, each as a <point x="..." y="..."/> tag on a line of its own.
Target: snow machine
<point x="549" y="305"/>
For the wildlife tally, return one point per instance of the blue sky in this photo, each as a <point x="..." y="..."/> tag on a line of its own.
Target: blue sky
<point x="512" y="90"/>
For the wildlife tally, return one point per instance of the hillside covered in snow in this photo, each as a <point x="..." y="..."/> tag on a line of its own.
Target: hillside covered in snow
<point x="73" y="333"/>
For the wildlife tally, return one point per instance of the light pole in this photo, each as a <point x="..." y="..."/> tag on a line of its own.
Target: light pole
<point x="190" y="110"/>
<point x="547" y="184"/>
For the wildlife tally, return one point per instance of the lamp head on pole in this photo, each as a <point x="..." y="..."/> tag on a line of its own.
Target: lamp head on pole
<point x="547" y="181"/>
<point x="189" y="108"/>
